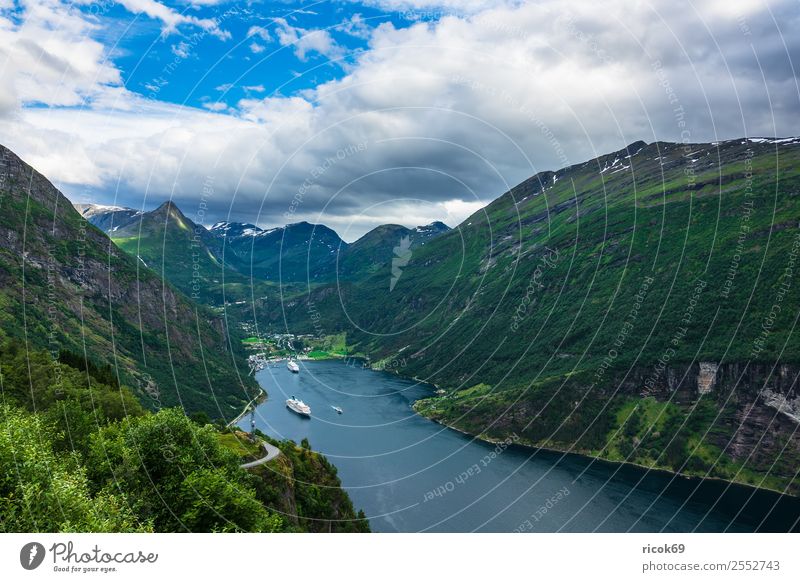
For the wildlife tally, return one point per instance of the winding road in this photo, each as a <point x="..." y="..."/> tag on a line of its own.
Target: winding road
<point x="272" y="452"/>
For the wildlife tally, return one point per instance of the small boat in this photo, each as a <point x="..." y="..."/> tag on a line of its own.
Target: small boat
<point x="298" y="406"/>
<point x="337" y="409"/>
<point x="293" y="367"/>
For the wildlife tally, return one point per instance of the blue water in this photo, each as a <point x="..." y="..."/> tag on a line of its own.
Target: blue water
<point x="409" y="474"/>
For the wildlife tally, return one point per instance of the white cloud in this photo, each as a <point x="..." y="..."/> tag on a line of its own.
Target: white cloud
<point x="356" y="26"/>
<point x="172" y="19"/>
<point x="48" y="56"/>
<point x="260" y="32"/>
<point x="306" y="41"/>
<point x="215" y="106"/>
<point x="452" y="112"/>
<point x="256" y="48"/>
<point x="436" y="9"/>
<point x="182" y="50"/>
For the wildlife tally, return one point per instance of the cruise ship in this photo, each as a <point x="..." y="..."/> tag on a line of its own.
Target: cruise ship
<point x="298" y="406"/>
<point x="293" y="367"/>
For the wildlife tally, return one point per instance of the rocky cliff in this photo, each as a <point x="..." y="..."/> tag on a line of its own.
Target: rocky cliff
<point x="66" y="286"/>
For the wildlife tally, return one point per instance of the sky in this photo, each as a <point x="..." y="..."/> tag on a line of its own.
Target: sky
<point x="355" y="114"/>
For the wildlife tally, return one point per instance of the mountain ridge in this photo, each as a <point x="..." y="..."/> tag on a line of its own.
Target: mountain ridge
<point x="66" y="286"/>
<point x="192" y="256"/>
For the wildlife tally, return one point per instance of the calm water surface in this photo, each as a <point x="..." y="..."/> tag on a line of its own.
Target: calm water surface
<point x="409" y="474"/>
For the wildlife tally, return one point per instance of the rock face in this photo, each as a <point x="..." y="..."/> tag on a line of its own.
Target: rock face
<point x="65" y="286"/>
<point x="707" y="377"/>
<point x="783" y="404"/>
<point x="762" y="404"/>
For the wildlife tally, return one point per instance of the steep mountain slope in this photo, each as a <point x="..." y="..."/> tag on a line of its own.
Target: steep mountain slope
<point x="634" y="306"/>
<point x="78" y="453"/>
<point x="182" y="252"/>
<point x="383" y="245"/>
<point x="65" y="286"/>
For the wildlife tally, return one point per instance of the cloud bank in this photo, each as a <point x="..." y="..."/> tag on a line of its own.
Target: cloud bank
<point x="430" y="122"/>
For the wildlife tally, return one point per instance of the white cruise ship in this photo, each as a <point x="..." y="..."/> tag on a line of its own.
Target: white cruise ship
<point x="298" y="406"/>
<point x="293" y="367"/>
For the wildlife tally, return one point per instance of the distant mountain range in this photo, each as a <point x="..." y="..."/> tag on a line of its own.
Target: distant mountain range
<point x="198" y="260"/>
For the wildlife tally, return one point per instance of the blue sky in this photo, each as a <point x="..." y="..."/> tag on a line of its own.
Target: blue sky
<point x="355" y="114"/>
<point x="202" y="70"/>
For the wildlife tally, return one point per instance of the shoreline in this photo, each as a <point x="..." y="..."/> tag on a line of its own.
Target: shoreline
<point x="593" y="458"/>
<point x="257" y="400"/>
<point x="582" y="454"/>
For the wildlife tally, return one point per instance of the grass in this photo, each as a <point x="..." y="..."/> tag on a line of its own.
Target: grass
<point x="239" y="443"/>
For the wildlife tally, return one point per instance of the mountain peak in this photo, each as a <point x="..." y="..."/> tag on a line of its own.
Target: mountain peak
<point x="435" y="226"/>
<point x="634" y="147"/>
<point x="168" y="206"/>
<point x="170" y="211"/>
<point x="235" y="229"/>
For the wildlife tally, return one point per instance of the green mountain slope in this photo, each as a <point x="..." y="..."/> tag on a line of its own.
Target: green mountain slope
<point x="376" y="250"/>
<point x="182" y="252"/>
<point x="65" y="286"/>
<point x="78" y="453"/>
<point x="626" y="285"/>
<point x="297" y="252"/>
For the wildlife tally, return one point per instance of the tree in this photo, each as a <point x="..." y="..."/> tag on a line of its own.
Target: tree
<point x="177" y="474"/>
<point x="48" y="492"/>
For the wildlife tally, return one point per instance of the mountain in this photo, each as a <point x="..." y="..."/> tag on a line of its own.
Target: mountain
<point x="297" y="252"/>
<point x="234" y="229"/>
<point x="182" y="252"/>
<point x="309" y="253"/>
<point x="376" y="250"/>
<point x="234" y="260"/>
<point x="637" y="307"/>
<point x="86" y="329"/>
<point x="107" y="218"/>
<point x="226" y="263"/>
<point x="186" y="254"/>
<point x="67" y="288"/>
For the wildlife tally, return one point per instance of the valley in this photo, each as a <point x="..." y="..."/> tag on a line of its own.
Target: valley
<point x="596" y="309"/>
<point x="637" y="308"/>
